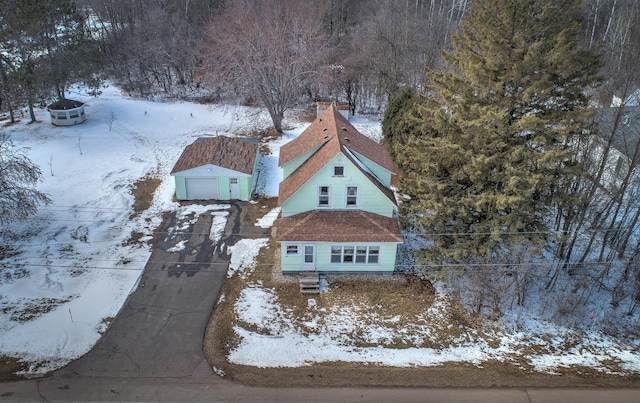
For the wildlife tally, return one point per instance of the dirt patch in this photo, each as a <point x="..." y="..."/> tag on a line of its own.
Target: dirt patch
<point x="258" y="207"/>
<point x="9" y="366"/>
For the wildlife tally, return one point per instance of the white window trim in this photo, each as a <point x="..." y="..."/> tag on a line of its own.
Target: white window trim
<point x="346" y="196"/>
<point x="328" y="196"/>
<point x="334" y="171"/>
<point x="291" y="253"/>
<point x="355" y="254"/>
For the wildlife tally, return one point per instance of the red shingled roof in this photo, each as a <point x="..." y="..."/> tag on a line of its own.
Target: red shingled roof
<point x="228" y="152"/>
<point x="331" y="124"/>
<point x="331" y="132"/>
<point x="338" y="226"/>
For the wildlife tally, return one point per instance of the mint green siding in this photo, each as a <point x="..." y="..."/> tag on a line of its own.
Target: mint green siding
<point x="295" y="163"/>
<point x="369" y="196"/>
<point x="181" y="190"/>
<point x="381" y="173"/>
<point x="222" y="178"/>
<point x="294" y="263"/>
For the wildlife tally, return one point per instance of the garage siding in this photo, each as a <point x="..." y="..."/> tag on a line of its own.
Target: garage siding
<point x="201" y="188"/>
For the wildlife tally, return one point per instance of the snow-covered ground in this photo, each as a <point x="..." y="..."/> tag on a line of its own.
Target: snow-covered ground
<point x="77" y="266"/>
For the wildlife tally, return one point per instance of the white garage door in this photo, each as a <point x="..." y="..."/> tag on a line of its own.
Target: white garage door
<point x="201" y="188"/>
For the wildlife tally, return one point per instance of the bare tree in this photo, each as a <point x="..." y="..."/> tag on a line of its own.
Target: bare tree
<point x="268" y="48"/>
<point x="18" y="175"/>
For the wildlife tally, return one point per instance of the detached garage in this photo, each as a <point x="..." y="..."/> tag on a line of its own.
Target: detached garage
<point x="216" y="168"/>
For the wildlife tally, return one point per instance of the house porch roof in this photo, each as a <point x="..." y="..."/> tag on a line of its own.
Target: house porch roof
<point x="338" y="226"/>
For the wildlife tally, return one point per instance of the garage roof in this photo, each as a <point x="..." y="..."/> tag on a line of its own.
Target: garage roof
<point x="238" y="154"/>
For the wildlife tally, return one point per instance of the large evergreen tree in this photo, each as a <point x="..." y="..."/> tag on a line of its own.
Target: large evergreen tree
<point x="497" y="126"/>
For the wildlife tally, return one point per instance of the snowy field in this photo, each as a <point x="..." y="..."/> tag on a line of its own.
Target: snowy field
<point x="77" y="267"/>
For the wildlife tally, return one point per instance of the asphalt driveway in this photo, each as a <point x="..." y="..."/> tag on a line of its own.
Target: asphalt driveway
<point x="159" y="331"/>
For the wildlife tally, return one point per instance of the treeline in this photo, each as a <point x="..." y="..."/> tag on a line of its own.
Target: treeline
<point x="363" y="51"/>
<point x="359" y="51"/>
<point x="375" y="45"/>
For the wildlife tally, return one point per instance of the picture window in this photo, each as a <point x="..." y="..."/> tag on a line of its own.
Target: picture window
<point x="355" y="254"/>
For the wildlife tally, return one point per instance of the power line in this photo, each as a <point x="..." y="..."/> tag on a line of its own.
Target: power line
<point x="261" y="267"/>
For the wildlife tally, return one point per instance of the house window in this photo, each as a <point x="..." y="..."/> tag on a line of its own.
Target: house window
<point x="233" y="181"/>
<point x="347" y="254"/>
<point x="374" y="252"/>
<point x="352" y="196"/>
<point x="336" y="254"/>
<point x="361" y="254"/>
<point x="323" y="196"/>
<point x="355" y="254"/>
<point x="292" y="249"/>
<point x="338" y="170"/>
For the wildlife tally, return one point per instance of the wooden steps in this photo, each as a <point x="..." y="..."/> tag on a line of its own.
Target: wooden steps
<point x="310" y="282"/>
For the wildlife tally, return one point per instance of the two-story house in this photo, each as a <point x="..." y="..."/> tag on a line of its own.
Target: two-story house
<point x="338" y="212"/>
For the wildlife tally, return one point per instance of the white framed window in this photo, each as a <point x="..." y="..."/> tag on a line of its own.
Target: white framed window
<point x="355" y="254"/>
<point x="373" y="254"/>
<point x="352" y="196"/>
<point x="338" y="170"/>
<point x="361" y="254"/>
<point x="347" y="254"/>
<point x="336" y="254"/>
<point x="292" y="249"/>
<point x="233" y="181"/>
<point x="323" y="196"/>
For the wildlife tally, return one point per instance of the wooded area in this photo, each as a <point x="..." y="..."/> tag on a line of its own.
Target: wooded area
<point x="355" y="51"/>
<point x="518" y="177"/>
<point x="565" y="210"/>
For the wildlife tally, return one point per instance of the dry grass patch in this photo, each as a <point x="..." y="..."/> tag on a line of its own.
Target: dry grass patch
<point x="30" y="309"/>
<point x="143" y="191"/>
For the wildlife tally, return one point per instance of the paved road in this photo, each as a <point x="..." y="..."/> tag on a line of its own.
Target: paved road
<point x="153" y="350"/>
<point x="210" y="390"/>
